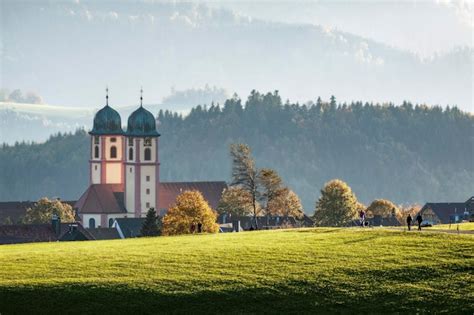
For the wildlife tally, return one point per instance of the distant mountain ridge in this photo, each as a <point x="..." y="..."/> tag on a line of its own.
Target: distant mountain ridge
<point x="162" y="45"/>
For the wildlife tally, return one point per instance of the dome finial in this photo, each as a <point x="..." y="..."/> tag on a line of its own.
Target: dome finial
<point x="107" y="95"/>
<point x="141" y="96"/>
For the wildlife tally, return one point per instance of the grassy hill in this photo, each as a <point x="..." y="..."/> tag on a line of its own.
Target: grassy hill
<point x="294" y="271"/>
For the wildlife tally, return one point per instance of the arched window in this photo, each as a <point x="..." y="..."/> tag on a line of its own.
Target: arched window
<point x="111" y="222"/>
<point x="147" y="154"/>
<point x="113" y="152"/>
<point x="130" y="154"/>
<point x="96" y="152"/>
<point x="91" y="223"/>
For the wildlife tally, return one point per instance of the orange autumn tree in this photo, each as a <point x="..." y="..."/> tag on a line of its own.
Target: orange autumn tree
<point x="190" y="210"/>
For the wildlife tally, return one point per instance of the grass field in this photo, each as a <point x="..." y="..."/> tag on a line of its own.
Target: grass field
<point x="286" y="271"/>
<point x="466" y="226"/>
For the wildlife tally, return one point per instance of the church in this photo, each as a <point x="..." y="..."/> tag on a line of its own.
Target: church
<point x="124" y="169"/>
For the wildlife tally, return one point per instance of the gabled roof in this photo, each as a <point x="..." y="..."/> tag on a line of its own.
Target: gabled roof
<point x="28" y="233"/>
<point x="17" y="209"/>
<point x="104" y="233"/>
<point x="211" y="191"/>
<point x="264" y="222"/>
<point x="444" y="210"/>
<point x="130" y="227"/>
<point x="102" y="198"/>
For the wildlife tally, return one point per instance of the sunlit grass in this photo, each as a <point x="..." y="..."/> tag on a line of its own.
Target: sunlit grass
<point x="310" y="270"/>
<point x="465" y="226"/>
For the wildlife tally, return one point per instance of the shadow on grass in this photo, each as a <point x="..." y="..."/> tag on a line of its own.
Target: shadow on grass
<point x="293" y="297"/>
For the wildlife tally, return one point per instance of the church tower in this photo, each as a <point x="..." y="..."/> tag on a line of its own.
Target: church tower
<point x="142" y="166"/>
<point x="106" y="154"/>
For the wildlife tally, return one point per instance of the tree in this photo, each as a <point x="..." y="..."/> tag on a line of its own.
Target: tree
<point x="44" y="209"/>
<point x="235" y="201"/>
<point x="151" y="226"/>
<point x="286" y="203"/>
<point x="189" y="212"/>
<point x="337" y="205"/>
<point x="382" y="207"/>
<point x="244" y="173"/>
<point x="274" y="195"/>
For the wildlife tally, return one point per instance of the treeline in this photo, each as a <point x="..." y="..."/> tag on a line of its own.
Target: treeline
<point x="406" y="153"/>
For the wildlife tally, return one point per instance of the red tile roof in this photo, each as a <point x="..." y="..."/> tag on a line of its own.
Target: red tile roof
<point x="211" y="191"/>
<point x="108" y="198"/>
<point x="102" y="198"/>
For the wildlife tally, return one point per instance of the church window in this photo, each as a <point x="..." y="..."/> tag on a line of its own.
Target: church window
<point x="91" y="223"/>
<point x="111" y="222"/>
<point x="147" y="205"/>
<point x="113" y="139"/>
<point x="95" y="167"/>
<point x="148" y="191"/>
<point x="148" y="178"/>
<point x="96" y="140"/>
<point x="130" y="169"/>
<point x="147" y="154"/>
<point x="130" y="142"/>
<point x="113" y="152"/>
<point x="130" y="154"/>
<point x="147" y="142"/>
<point x="96" y="152"/>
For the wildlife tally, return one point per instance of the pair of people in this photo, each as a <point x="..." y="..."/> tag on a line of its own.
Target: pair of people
<point x="419" y="219"/>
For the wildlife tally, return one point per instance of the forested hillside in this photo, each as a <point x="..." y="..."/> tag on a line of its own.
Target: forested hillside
<point x="405" y="153"/>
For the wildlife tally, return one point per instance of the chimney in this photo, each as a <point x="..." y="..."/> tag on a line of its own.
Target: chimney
<point x="56" y="224"/>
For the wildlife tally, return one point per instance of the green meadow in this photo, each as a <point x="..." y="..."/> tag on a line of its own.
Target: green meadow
<point x="286" y="271"/>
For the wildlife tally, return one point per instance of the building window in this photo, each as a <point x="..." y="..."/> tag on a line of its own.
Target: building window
<point x="148" y="191"/>
<point x="111" y="222"/>
<point x="113" y="139"/>
<point x="96" y="152"/>
<point x="91" y="223"/>
<point x="130" y="142"/>
<point x="148" y="178"/>
<point x="130" y="169"/>
<point x="147" y="205"/>
<point x="113" y="152"/>
<point x="96" y="140"/>
<point x="147" y="142"/>
<point x="95" y="167"/>
<point x="147" y="154"/>
<point x="130" y="154"/>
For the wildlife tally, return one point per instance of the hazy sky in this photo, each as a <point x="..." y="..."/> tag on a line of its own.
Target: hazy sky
<point x="425" y="27"/>
<point x="68" y="50"/>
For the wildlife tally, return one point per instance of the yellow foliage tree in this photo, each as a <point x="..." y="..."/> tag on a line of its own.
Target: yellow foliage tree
<point x="190" y="211"/>
<point x="382" y="207"/>
<point x="44" y="209"/>
<point x="236" y="201"/>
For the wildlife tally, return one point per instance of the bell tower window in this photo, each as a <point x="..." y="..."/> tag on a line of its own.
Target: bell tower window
<point x="96" y="151"/>
<point x="113" y="139"/>
<point x="147" y="142"/>
<point x="130" y="154"/>
<point x="113" y="152"/>
<point x="130" y="142"/>
<point x="147" y="154"/>
<point x="96" y="140"/>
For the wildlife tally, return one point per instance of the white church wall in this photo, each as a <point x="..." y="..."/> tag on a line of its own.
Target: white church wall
<point x="95" y="175"/>
<point x="87" y="217"/>
<point x="113" y="173"/>
<point x="130" y="188"/>
<point x="148" y="184"/>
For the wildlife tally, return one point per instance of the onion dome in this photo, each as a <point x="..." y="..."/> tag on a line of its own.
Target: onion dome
<point x="141" y="123"/>
<point x="107" y="122"/>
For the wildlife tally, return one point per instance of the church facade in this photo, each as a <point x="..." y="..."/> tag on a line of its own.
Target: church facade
<point x="125" y="171"/>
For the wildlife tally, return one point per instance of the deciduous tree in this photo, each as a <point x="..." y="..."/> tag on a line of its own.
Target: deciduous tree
<point x="189" y="212"/>
<point x="337" y="205"/>
<point x="44" y="209"/>
<point x="236" y="201"/>
<point x="382" y="207"/>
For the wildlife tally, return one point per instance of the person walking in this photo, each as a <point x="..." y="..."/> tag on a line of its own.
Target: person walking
<point x="419" y="219"/>
<point x="362" y="218"/>
<point x="409" y="220"/>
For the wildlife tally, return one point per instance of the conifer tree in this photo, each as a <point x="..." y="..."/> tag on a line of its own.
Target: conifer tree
<point x="151" y="226"/>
